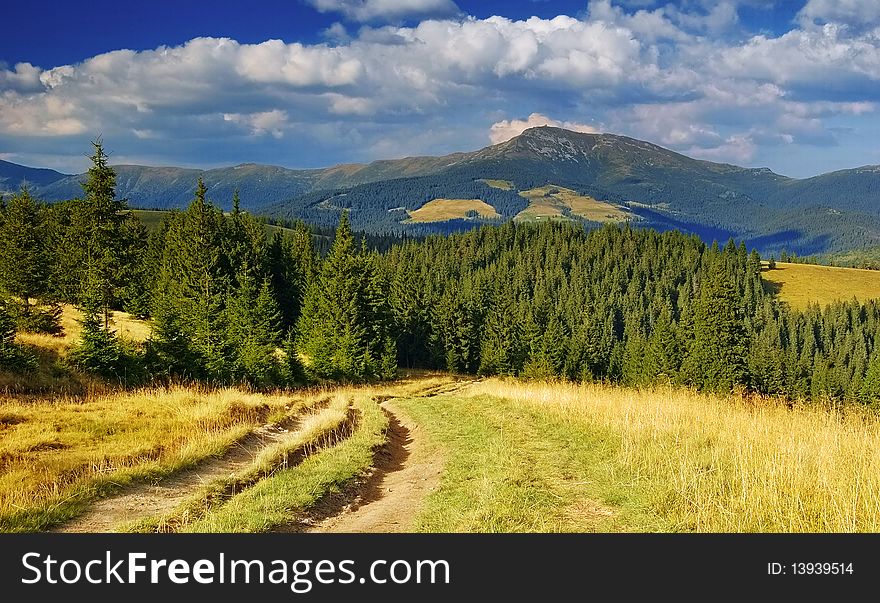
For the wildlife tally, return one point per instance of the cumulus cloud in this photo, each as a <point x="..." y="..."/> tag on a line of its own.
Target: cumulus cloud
<point x="266" y="122"/>
<point x="504" y="130"/>
<point x="387" y="10"/>
<point x="856" y="13"/>
<point x="651" y="71"/>
<point x="23" y="78"/>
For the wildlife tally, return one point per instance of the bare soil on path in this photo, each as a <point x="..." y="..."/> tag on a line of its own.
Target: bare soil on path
<point x="389" y="498"/>
<point x="146" y="500"/>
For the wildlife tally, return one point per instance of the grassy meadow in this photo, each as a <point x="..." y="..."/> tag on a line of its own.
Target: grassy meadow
<point x="802" y="284"/>
<point x="564" y="457"/>
<point x="505" y="185"/>
<point x="440" y="210"/>
<point x="59" y="454"/>
<point x="517" y="456"/>
<point x="53" y="375"/>
<point x="554" y="202"/>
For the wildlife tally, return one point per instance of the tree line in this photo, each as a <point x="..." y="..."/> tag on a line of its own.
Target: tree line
<point x="228" y="304"/>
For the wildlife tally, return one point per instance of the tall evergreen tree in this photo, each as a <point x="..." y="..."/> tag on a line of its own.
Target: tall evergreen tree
<point x="191" y="293"/>
<point x="24" y="259"/>
<point x="502" y="351"/>
<point x="104" y="216"/>
<point x="716" y="359"/>
<point x="663" y="351"/>
<point x="254" y="333"/>
<point x="335" y="330"/>
<point x="12" y="356"/>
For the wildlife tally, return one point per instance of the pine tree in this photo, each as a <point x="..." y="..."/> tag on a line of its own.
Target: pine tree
<point x="12" y="356"/>
<point x="24" y="262"/>
<point x="103" y="216"/>
<point x="501" y="349"/>
<point x="335" y="334"/>
<point x="717" y="356"/>
<point x="254" y="333"/>
<point x="870" y="390"/>
<point x="662" y="359"/>
<point x="548" y="351"/>
<point x="190" y="319"/>
<point x="98" y="350"/>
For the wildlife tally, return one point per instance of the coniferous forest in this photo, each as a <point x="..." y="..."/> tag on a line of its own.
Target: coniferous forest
<point x="231" y="304"/>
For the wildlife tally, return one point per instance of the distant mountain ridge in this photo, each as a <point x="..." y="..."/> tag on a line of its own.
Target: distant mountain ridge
<point x="661" y="188"/>
<point x="14" y="176"/>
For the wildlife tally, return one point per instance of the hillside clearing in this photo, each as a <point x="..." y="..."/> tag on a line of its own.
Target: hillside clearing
<point x="441" y="210"/>
<point x="123" y="324"/>
<point x="505" y="185"/>
<point x="152" y="219"/>
<point x="556" y="202"/>
<point x="802" y="284"/>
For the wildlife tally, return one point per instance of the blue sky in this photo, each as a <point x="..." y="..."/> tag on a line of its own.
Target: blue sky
<point x="793" y="86"/>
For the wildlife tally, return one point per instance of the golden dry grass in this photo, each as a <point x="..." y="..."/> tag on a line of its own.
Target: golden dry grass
<point x="802" y="284"/>
<point x="59" y="453"/>
<point x="544" y="204"/>
<point x="284" y="496"/>
<point x="441" y="210"/>
<point x="727" y="464"/>
<point x="126" y="327"/>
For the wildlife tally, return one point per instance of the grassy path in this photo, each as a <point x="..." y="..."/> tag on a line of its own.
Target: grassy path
<point x="514" y="469"/>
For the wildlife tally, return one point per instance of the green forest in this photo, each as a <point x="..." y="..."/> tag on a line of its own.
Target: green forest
<point x="231" y="305"/>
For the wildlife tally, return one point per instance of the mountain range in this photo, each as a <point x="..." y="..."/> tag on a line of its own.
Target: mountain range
<point x="544" y="173"/>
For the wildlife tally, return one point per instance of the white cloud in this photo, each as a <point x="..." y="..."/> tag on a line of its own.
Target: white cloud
<point x="504" y="130"/>
<point x="738" y="149"/>
<point x="857" y="13"/>
<point x="266" y="122"/>
<point x="336" y="33"/>
<point x="24" y="78"/>
<point x="371" y="10"/>
<point x="816" y="57"/>
<point x="660" y="74"/>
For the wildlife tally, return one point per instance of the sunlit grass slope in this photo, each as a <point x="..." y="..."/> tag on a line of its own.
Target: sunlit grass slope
<point x="565" y="457"/>
<point x="802" y="284"/>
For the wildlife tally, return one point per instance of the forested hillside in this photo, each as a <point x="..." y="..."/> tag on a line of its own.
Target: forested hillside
<point x="228" y="304"/>
<point x="656" y="187"/>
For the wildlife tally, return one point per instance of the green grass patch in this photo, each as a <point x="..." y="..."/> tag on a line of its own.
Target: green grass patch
<point x="505" y="185"/>
<point x="317" y="431"/>
<point x="511" y="468"/>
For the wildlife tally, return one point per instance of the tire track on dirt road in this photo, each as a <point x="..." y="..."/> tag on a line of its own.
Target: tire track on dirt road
<point x="389" y="498"/>
<point x="145" y="500"/>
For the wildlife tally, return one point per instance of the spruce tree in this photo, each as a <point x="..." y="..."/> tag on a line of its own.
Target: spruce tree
<point x="717" y="356"/>
<point x="335" y="333"/>
<point x="103" y="215"/>
<point x="501" y="349"/>
<point x="254" y="333"/>
<point x="870" y="389"/>
<point x="23" y="255"/>
<point x="13" y="357"/>
<point x="663" y="351"/>
<point x="190" y="319"/>
<point x="548" y="350"/>
<point x="98" y="351"/>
